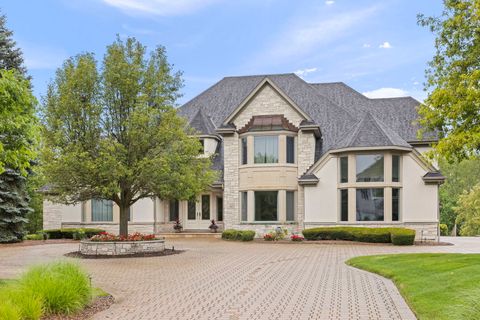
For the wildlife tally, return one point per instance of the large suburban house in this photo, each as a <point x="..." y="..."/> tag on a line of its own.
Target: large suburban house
<point x="296" y="155"/>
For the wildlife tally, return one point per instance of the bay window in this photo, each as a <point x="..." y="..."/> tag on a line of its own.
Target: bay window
<point x="369" y="167"/>
<point x="370" y="206"/>
<point x="290" y="149"/>
<point x="266" y="205"/>
<point x="266" y="149"/>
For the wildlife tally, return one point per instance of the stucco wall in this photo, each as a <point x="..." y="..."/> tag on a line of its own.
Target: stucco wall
<point x="142" y="210"/>
<point x="321" y="204"/>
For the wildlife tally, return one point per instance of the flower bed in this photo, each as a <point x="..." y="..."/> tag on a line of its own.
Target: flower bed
<point x="107" y="244"/>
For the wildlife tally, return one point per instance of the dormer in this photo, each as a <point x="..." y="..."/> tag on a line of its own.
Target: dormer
<point x="205" y="132"/>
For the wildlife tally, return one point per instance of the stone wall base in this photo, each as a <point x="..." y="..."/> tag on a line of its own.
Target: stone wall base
<point x="120" y="248"/>
<point x="424" y="231"/>
<point x="113" y="227"/>
<point x="262" y="229"/>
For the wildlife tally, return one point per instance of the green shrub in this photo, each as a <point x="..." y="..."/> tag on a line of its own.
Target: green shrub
<point x="68" y="233"/>
<point x="362" y="234"/>
<point x="79" y="235"/>
<point x="8" y="311"/>
<point x="247" y="235"/>
<point x="62" y="286"/>
<point x="37" y="236"/>
<point x="25" y="300"/>
<point x="403" y="237"/>
<point x="243" y="235"/>
<point x="443" y="229"/>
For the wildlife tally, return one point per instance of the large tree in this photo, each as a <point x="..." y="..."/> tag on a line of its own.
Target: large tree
<point x="453" y="79"/>
<point x="112" y="132"/>
<point x="10" y="55"/>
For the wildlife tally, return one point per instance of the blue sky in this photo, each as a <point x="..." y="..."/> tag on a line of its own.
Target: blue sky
<point x="373" y="46"/>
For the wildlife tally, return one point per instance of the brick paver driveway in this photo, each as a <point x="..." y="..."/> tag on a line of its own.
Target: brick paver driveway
<point x="214" y="279"/>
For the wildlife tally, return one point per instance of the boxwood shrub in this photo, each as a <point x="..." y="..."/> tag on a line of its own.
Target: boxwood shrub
<point x="243" y="235"/>
<point x="361" y="234"/>
<point x="403" y="237"/>
<point x="68" y="233"/>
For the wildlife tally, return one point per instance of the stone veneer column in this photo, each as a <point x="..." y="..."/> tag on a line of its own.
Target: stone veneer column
<point x="52" y="215"/>
<point x="305" y="158"/>
<point x="231" y="200"/>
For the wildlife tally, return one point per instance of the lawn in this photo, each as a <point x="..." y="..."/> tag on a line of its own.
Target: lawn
<point x="436" y="286"/>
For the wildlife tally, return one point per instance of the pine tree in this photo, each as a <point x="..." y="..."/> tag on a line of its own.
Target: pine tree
<point x="17" y="135"/>
<point x="13" y="206"/>
<point x="10" y="56"/>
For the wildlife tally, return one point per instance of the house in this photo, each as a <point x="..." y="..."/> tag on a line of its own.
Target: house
<point x="296" y="155"/>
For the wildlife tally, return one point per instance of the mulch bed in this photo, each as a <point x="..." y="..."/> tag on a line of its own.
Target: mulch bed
<point x="27" y="243"/>
<point x="97" y="305"/>
<point x="166" y="252"/>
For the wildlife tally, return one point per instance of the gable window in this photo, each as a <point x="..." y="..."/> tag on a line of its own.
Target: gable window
<point x="369" y="167"/>
<point x="266" y="205"/>
<point x="266" y="149"/>
<point x="343" y="169"/>
<point x="102" y="210"/>
<point x="174" y="210"/>
<point x="244" y="151"/>
<point x="290" y="149"/>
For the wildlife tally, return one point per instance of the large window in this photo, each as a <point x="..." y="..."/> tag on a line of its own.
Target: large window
<point x="343" y="169"/>
<point x="266" y="149"/>
<point x="344" y="205"/>
<point x="266" y="205"/>
<point x="174" y="210"/>
<point x="290" y="205"/>
<point x="370" y="204"/>
<point x="244" y="206"/>
<point x="244" y="151"/>
<point x="369" y="167"/>
<point x="102" y="210"/>
<point x="219" y="209"/>
<point x="290" y="149"/>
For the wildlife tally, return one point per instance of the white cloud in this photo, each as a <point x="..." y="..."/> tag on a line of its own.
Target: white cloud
<point x="385" y="45"/>
<point x="366" y="45"/>
<point x="386" y="93"/>
<point x="159" y="7"/>
<point x="308" y="33"/>
<point x="304" y="72"/>
<point x="329" y="2"/>
<point x="137" y="31"/>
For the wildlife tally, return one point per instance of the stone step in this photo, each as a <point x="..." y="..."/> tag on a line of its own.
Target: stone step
<point x="177" y="235"/>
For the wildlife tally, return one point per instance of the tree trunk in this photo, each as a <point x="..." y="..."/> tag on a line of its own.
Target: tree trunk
<point x="124" y="220"/>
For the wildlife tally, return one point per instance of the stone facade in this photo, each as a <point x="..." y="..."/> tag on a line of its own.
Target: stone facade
<point x="231" y="198"/>
<point x="119" y="248"/>
<point x="52" y="215"/>
<point x="112" y="227"/>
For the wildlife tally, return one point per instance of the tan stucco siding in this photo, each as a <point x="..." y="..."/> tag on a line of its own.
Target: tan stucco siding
<point x="419" y="202"/>
<point x="267" y="101"/>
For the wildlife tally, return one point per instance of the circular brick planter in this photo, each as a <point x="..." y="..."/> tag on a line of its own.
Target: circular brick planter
<point x="121" y="248"/>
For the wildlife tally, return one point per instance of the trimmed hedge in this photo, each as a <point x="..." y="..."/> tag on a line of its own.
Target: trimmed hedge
<point x="443" y="229"/>
<point x="361" y="234"/>
<point x="68" y="233"/>
<point x="243" y="235"/>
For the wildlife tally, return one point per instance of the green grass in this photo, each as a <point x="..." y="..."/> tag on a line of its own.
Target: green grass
<point x="436" y="286"/>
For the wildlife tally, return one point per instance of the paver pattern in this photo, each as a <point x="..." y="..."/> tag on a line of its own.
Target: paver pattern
<point x="215" y="279"/>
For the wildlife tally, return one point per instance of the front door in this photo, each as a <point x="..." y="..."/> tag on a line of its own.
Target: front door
<point x="198" y="213"/>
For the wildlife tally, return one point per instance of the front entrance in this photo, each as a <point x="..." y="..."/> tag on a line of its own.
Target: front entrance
<point x="199" y="213"/>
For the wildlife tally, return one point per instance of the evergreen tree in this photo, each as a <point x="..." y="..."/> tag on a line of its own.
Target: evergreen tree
<point x="10" y="55"/>
<point x="14" y="206"/>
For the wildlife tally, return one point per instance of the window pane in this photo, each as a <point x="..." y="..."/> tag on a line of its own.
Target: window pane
<point x="244" y="206"/>
<point x="395" y="168"/>
<point x="344" y="205"/>
<point x="369" y="204"/>
<point x="266" y="205"/>
<point x="369" y="168"/>
<point x="266" y="149"/>
<point x="395" y="204"/>
<point x="129" y="213"/>
<point x="343" y="169"/>
<point x="244" y="151"/>
<point x="290" y="205"/>
<point x="102" y="210"/>
<point x="191" y="210"/>
<point x="206" y="207"/>
<point x="173" y="210"/>
<point x="290" y="149"/>
<point x="202" y="148"/>
<point x="219" y="209"/>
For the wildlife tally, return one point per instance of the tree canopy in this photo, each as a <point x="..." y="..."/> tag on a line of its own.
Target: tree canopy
<point x="112" y="131"/>
<point x="453" y="105"/>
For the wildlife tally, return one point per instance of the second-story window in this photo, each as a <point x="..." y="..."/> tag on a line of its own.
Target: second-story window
<point x="290" y="149"/>
<point x="266" y="149"/>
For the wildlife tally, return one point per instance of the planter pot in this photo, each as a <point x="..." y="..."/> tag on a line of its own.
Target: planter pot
<point x="120" y="248"/>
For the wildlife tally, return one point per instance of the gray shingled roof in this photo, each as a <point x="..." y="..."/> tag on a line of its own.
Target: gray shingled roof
<point x="345" y="116"/>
